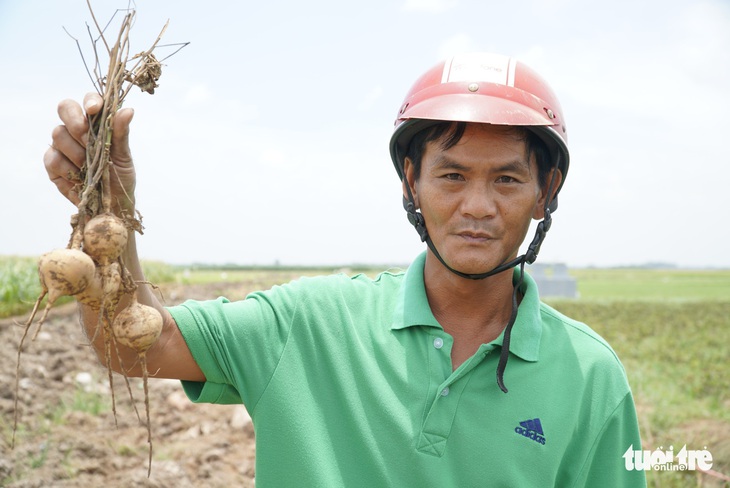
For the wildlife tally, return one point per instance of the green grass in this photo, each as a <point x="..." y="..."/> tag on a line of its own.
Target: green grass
<point x="80" y="400"/>
<point x="38" y="460"/>
<point x="677" y="358"/>
<point x="671" y="329"/>
<point x="20" y="285"/>
<point x="652" y="284"/>
<point x="159" y="272"/>
<point x="264" y="275"/>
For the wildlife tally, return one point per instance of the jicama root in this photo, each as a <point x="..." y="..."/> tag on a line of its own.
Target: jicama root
<point x="139" y="326"/>
<point x="92" y="268"/>
<point x="104" y="288"/>
<point x="61" y="272"/>
<point x="103" y="295"/>
<point x="105" y="237"/>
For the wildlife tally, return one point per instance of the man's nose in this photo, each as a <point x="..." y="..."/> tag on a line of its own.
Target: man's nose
<point x="479" y="202"/>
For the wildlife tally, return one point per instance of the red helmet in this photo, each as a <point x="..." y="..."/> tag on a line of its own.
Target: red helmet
<point x="484" y="88"/>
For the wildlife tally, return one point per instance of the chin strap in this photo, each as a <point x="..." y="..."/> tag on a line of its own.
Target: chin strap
<point x="504" y="355"/>
<point x="419" y="223"/>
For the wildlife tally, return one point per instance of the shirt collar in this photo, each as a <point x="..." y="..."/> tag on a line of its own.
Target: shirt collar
<point x="413" y="309"/>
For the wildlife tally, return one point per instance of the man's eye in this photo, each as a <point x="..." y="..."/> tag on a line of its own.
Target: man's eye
<point x="453" y="176"/>
<point x="505" y="179"/>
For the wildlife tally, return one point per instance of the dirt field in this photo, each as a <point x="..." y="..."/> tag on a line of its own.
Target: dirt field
<point x="67" y="436"/>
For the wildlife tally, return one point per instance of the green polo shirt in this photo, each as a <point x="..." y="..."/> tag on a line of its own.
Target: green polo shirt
<point x="349" y="383"/>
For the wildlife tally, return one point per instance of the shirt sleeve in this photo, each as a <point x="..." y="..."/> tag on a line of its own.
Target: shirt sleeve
<point x="237" y="345"/>
<point x="605" y="465"/>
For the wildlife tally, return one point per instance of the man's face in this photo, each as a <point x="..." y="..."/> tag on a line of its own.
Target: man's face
<point x="478" y="197"/>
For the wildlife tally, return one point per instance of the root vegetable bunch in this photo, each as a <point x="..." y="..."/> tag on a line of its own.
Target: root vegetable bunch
<point x="91" y="267"/>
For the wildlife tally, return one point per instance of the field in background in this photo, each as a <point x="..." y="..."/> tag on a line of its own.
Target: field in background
<point x="666" y="285"/>
<point x="671" y="328"/>
<point x="20" y="287"/>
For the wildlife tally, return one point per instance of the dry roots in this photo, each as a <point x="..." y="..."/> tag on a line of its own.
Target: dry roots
<point x="91" y="267"/>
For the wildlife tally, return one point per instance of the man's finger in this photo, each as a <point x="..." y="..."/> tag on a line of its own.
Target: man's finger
<point x="74" y="119"/>
<point x="93" y="103"/>
<point x="68" y="146"/>
<point x="62" y="172"/>
<point x="120" y="136"/>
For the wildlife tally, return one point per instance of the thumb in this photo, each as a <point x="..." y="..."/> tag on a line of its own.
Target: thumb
<point x="120" y="152"/>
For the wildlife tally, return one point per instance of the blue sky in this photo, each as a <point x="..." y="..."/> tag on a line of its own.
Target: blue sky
<point x="268" y="137"/>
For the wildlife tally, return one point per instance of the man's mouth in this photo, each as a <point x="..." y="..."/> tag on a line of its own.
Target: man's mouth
<point x="476" y="236"/>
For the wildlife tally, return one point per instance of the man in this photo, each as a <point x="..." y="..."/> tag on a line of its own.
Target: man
<point x="391" y="382"/>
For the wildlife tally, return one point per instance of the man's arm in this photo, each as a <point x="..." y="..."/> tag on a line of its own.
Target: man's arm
<point x="169" y="357"/>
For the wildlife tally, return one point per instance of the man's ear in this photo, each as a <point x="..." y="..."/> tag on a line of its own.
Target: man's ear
<point x="539" y="212"/>
<point x="409" y="178"/>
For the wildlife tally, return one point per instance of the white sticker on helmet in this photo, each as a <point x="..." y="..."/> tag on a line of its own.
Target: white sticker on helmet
<point x="492" y="68"/>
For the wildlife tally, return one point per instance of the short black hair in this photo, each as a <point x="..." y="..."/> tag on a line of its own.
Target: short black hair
<point x="452" y="132"/>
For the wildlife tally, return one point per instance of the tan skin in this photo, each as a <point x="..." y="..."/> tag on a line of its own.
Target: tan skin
<point x="477" y="198"/>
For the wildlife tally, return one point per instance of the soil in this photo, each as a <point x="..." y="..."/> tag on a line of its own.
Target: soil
<point x="67" y="435"/>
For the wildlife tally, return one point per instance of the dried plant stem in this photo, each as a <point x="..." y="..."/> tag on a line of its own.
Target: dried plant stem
<point x="108" y="280"/>
<point x="145" y="379"/>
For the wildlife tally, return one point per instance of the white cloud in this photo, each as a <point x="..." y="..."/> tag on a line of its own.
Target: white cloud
<point x="429" y="6"/>
<point x="704" y="37"/>
<point x="197" y="94"/>
<point x="458" y="44"/>
<point x="550" y="7"/>
<point x="200" y="97"/>
<point x="535" y="57"/>
<point x="369" y="100"/>
<point x="275" y="158"/>
<point x="686" y="73"/>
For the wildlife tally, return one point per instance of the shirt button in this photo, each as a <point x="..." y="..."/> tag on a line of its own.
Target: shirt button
<point x="438" y="343"/>
<point x="445" y="391"/>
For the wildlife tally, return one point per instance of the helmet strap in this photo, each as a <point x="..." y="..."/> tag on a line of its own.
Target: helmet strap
<point x="504" y="354"/>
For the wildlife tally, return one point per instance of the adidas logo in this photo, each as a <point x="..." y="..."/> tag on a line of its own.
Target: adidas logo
<point x="532" y="429"/>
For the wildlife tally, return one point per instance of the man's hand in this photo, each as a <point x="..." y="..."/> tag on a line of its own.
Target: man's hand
<point x="169" y="357"/>
<point x="64" y="158"/>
